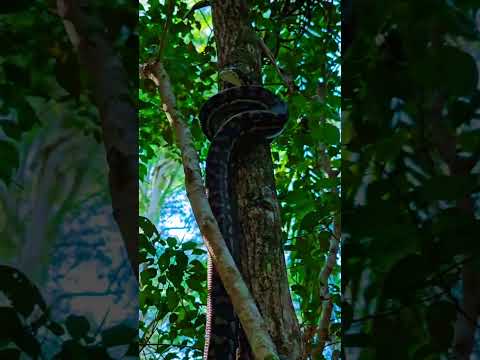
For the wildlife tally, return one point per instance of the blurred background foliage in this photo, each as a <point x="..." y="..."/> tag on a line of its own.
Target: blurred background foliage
<point x="410" y="95"/>
<point x="73" y="295"/>
<point x="305" y="39"/>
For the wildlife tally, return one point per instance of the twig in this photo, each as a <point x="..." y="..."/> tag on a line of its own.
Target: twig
<point x="286" y="79"/>
<point x="166" y="26"/>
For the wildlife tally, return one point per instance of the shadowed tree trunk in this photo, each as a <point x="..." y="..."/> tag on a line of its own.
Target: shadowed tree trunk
<point x="262" y="258"/>
<point x="111" y="93"/>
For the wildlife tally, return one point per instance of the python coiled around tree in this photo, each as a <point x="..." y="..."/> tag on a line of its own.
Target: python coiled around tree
<point x="227" y="117"/>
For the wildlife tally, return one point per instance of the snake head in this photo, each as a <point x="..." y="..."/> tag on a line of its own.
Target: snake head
<point x="231" y="76"/>
<point x="236" y="74"/>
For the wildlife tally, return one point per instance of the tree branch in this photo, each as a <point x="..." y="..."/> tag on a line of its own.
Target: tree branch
<point x="243" y="303"/>
<point x="324" y="293"/>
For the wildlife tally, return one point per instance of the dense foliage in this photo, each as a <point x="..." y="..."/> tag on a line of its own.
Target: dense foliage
<point x="304" y="37"/>
<point x="411" y="104"/>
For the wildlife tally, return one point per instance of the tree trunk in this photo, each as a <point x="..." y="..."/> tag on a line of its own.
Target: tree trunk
<point x="110" y="88"/>
<point x="262" y="258"/>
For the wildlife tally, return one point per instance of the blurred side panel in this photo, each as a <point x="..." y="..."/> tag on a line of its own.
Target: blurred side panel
<point x="410" y="113"/>
<point x="68" y="179"/>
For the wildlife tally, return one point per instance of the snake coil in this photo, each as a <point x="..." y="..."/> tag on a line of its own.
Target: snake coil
<point x="226" y="118"/>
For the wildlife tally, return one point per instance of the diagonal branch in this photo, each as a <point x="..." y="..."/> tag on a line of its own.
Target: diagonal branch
<point x="243" y="303"/>
<point x="324" y="294"/>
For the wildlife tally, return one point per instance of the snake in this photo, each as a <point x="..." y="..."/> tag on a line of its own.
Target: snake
<point x="236" y="113"/>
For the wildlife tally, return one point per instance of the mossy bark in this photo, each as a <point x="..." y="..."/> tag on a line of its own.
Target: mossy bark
<point x="262" y="258"/>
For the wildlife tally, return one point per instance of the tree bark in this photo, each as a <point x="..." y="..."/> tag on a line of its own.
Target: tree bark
<point x="262" y="258"/>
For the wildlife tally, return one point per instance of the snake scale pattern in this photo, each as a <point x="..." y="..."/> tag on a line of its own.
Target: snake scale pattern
<point x="227" y="117"/>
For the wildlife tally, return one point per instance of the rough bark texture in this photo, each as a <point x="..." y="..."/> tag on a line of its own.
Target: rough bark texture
<point x="262" y="258"/>
<point x="231" y="26"/>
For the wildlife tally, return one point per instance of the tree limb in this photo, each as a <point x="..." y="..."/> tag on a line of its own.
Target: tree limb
<point x="243" y="303"/>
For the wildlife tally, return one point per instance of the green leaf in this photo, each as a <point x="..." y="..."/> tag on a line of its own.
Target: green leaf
<point x="172" y="299"/>
<point x="189" y="245"/>
<point x="23" y="294"/>
<point x="170" y="356"/>
<point x="405" y="277"/>
<point x="463" y="81"/>
<point x="119" y="335"/>
<point x="175" y="274"/>
<point x="148" y="228"/>
<point x="310" y="221"/>
<point x="71" y="349"/>
<point x="148" y="274"/>
<point x="299" y="289"/>
<point x="55" y="328"/>
<point x="198" y="252"/>
<point x="77" y="326"/>
<point x="164" y="260"/>
<point x="194" y="284"/>
<point x="171" y="242"/>
<point x="327" y="134"/>
<point x="181" y="259"/>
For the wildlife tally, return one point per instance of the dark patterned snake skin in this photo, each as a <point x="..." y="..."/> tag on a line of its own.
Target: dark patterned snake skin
<point x="225" y="118"/>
